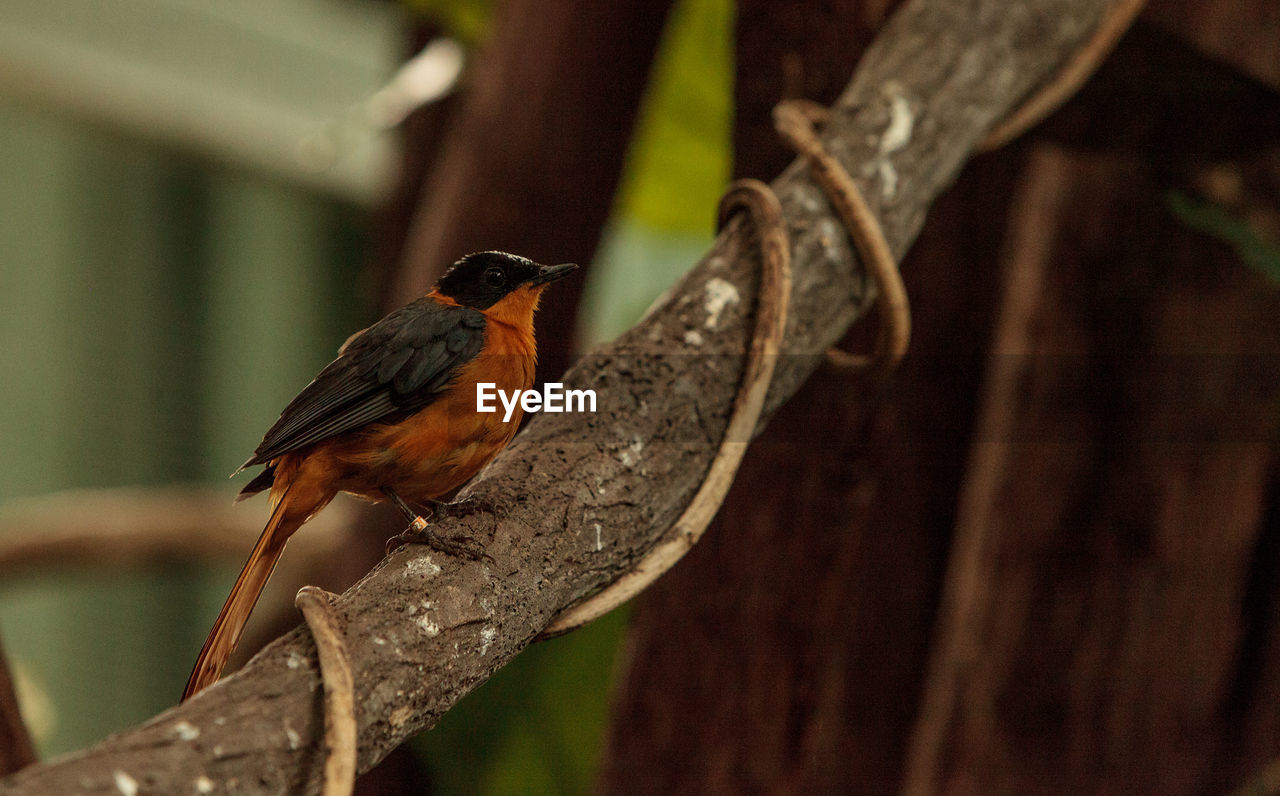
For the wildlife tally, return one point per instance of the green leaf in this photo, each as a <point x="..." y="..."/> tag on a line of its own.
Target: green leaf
<point x="680" y="156"/>
<point x="1216" y="221"/>
<point x="466" y="20"/>
<point x="537" y="726"/>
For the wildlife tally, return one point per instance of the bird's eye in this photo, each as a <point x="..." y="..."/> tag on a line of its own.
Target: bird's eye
<point x="494" y="277"/>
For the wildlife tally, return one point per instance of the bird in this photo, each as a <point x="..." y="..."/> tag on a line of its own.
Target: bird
<point x="393" y="418"/>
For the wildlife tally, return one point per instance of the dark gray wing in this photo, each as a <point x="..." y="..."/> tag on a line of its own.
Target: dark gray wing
<point x="397" y="366"/>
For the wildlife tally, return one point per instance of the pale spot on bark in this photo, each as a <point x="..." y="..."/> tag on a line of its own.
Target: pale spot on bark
<point x="126" y="784"/>
<point x="720" y="294"/>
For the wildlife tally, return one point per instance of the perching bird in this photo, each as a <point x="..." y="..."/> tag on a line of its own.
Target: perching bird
<point x="394" y="417"/>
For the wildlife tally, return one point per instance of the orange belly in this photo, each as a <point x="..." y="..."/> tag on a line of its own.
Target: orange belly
<point x="440" y="447"/>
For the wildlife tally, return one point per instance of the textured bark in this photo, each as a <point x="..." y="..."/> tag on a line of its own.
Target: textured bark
<point x="579" y="497"/>
<point x="533" y="159"/>
<point x="1112" y="509"/>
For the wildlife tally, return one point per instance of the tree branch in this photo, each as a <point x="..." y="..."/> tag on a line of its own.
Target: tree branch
<point x="121" y="527"/>
<point x="583" y="496"/>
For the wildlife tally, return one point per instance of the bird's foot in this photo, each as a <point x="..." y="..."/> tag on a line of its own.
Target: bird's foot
<point x="419" y="532"/>
<point x="465" y="507"/>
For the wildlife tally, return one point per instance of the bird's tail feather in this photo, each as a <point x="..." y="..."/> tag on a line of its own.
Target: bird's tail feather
<point x="235" y="612"/>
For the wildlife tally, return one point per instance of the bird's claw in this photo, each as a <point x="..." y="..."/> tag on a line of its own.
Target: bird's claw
<point x="465" y="507"/>
<point x="419" y="532"/>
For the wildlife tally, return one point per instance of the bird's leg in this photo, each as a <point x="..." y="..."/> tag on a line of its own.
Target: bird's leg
<point x="416" y="522"/>
<point x="419" y="532"/>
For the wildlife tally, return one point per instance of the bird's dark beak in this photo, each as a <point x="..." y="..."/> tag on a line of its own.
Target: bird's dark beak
<point x="550" y="273"/>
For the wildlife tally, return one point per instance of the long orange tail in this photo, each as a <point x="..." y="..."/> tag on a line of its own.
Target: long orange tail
<point x="235" y="612"/>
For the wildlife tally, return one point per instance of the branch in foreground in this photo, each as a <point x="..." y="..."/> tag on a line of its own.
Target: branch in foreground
<point x="584" y="496"/>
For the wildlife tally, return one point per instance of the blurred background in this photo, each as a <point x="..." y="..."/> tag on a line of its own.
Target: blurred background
<point x="1004" y="573"/>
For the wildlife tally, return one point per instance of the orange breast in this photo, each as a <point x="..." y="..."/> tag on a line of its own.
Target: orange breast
<point x="448" y="442"/>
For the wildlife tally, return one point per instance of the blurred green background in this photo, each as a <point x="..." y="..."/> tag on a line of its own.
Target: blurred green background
<point x="176" y="261"/>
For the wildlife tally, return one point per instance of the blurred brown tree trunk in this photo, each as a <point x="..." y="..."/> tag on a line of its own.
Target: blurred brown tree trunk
<point x="1111" y="598"/>
<point x="1100" y="587"/>
<point x="1242" y="33"/>
<point x="420" y="136"/>
<point x="1109" y="468"/>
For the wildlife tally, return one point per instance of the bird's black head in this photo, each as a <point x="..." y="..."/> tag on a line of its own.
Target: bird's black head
<point x="483" y="279"/>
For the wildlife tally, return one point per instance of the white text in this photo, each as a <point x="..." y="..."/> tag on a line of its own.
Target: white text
<point x="553" y="398"/>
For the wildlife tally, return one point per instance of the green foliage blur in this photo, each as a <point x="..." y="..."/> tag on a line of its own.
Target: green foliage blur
<point x="1254" y="249"/>
<point x="465" y="20"/>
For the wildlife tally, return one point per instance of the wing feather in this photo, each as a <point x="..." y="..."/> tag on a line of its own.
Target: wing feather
<point x="399" y="365"/>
